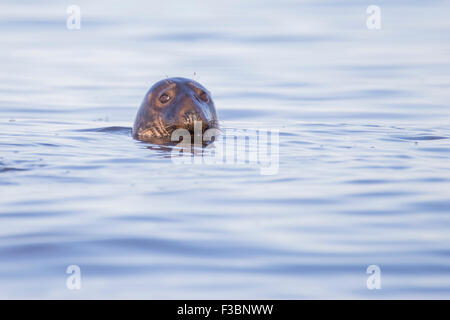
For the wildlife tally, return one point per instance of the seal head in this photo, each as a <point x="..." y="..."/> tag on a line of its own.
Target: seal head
<point x="170" y="104"/>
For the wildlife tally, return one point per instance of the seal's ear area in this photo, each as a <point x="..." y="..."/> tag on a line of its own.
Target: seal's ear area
<point x="150" y="97"/>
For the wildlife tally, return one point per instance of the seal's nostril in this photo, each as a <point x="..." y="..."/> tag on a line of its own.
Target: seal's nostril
<point x="191" y="116"/>
<point x="193" y="119"/>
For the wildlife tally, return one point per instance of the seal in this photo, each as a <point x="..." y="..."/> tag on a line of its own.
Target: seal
<point x="170" y="104"/>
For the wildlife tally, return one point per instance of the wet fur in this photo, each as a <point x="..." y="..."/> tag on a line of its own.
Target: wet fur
<point x="155" y="121"/>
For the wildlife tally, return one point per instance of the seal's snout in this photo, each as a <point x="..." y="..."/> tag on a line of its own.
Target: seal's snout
<point x="190" y="118"/>
<point x="193" y="109"/>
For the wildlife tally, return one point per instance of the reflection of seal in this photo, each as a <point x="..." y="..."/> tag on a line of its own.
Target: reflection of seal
<point x="170" y="104"/>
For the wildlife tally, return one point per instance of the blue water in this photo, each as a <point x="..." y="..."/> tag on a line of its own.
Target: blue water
<point x="364" y="151"/>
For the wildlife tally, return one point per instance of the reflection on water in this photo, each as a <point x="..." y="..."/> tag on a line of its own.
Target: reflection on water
<point x="363" y="164"/>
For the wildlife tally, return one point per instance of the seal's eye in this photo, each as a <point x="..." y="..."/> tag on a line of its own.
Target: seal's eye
<point x="204" y="96"/>
<point x="164" y="98"/>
